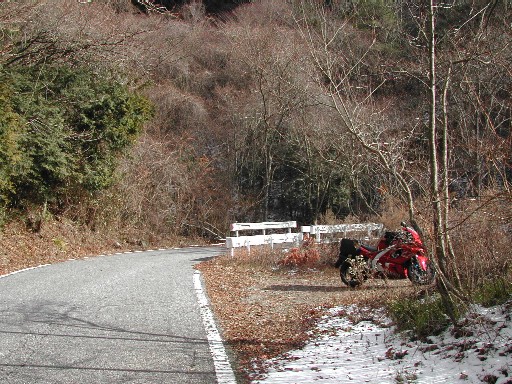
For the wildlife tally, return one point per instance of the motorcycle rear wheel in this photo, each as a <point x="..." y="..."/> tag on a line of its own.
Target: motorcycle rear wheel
<point x="354" y="271"/>
<point x="418" y="276"/>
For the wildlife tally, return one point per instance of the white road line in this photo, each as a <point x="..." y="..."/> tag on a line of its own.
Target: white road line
<point x="223" y="370"/>
<point x="23" y="270"/>
<point x="82" y="258"/>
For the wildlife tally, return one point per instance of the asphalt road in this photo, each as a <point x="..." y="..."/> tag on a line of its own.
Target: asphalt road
<point x="130" y="318"/>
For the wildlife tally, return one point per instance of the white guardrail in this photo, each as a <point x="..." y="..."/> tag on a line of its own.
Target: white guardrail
<point x="317" y="231"/>
<point x="264" y="238"/>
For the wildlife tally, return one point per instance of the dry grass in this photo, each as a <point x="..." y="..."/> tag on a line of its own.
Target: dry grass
<point x="481" y="240"/>
<point x="59" y="240"/>
<point x="275" y="259"/>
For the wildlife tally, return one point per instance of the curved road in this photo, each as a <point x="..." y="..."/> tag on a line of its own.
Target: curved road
<point x="129" y="318"/>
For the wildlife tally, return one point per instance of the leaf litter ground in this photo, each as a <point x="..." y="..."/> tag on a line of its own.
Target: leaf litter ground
<point x="290" y="326"/>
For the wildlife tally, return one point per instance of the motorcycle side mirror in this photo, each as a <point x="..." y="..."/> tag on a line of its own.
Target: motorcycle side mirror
<point x="403" y="224"/>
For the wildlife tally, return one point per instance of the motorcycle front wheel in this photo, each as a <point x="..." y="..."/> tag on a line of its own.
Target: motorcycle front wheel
<point x="354" y="271"/>
<point x="418" y="276"/>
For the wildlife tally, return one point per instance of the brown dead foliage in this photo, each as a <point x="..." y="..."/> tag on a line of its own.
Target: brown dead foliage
<point x="24" y="245"/>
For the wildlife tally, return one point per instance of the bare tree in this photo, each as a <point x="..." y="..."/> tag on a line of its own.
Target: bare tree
<point x="358" y="104"/>
<point x="270" y="59"/>
<point x="359" y="114"/>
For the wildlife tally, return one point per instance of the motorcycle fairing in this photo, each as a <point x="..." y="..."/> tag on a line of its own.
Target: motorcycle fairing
<point x="375" y="261"/>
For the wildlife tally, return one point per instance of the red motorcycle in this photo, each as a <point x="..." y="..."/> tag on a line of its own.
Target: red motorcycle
<point x="398" y="254"/>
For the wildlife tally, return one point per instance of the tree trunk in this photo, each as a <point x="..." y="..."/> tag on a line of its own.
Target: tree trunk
<point x="438" y="203"/>
<point x="445" y="186"/>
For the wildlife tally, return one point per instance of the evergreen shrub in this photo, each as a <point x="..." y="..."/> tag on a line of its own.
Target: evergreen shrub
<point x="423" y="317"/>
<point x="62" y="130"/>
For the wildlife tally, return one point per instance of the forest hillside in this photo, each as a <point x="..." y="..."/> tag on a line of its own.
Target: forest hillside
<point x="135" y="122"/>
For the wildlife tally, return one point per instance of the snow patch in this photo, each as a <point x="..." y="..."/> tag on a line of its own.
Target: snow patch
<point x="354" y="345"/>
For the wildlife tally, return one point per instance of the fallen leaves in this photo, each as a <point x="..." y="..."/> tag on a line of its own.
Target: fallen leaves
<point x="264" y="312"/>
